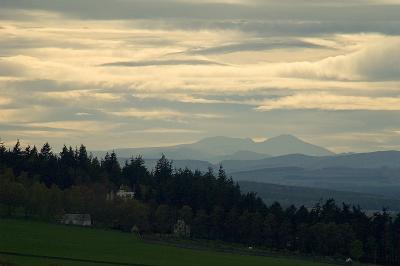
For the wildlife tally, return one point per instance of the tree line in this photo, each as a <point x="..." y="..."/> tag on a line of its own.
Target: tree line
<point x="40" y="184"/>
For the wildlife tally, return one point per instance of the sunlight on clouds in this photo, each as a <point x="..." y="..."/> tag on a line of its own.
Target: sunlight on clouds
<point x="379" y="139"/>
<point x="5" y="100"/>
<point x="324" y="101"/>
<point x="150" y="114"/>
<point x="8" y="115"/>
<point x="379" y="60"/>
<point x="167" y="130"/>
<point x="81" y="95"/>
<point x="163" y="114"/>
<point x="23" y="115"/>
<point x="77" y="126"/>
<point x="177" y="97"/>
<point x="209" y="116"/>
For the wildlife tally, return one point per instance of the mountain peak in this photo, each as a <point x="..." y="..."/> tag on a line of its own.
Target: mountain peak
<point x="284" y="137"/>
<point x="221" y="148"/>
<point x="275" y="146"/>
<point x="289" y="144"/>
<point x="223" y="139"/>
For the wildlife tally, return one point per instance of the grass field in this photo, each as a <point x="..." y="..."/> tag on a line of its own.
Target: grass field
<point x="42" y="239"/>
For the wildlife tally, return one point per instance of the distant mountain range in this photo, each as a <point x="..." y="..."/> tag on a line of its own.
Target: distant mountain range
<point x="374" y="172"/>
<point x="216" y="149"/>
<point x="289" y="165"/>
<point x="379" y="181"/>
<point x="389" y="159"/>
<point x="298" y="196"/>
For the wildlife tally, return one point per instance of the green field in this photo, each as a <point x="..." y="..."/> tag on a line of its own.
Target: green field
<point x="42" y="239"/>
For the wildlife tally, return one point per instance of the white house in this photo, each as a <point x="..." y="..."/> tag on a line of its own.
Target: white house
<point x="124" y="193"/>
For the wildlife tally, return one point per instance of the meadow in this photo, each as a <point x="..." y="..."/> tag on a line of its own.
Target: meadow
<point x="108" y="247"/>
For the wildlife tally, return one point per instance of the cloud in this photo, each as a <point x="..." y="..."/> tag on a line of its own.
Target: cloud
<point x="24" y="114"/>
<point x="161" y="114"/>
<point x="379" y="60"/>
<point x="77" y="126"/>
<point x="11" y="69"/>
<point x="224" y="9"/>
<point x="167" y="131"/>
<point x="30" y="127"/>
<point x="187" y="69"/>
<point x="83" y="114"/>
<point x="181" y="97"/>
<point x="4" y="100"/>
<point x="383" y="139"/>
<point x="81" y="95"/>
<point x="175" y="62"/>
<point x="265" y="18"/>
<point x="260" y="45"/>
<point x="324" y="101"/>
<point x="209" y="116"/>
<point x="8" y="115"/>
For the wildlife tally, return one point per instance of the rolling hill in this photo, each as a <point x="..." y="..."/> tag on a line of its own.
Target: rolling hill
<point x="381" y="181"/>
<point x="298" y="196"/>
<point x="380" y="159"/>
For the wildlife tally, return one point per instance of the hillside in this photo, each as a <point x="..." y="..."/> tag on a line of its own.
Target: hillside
<point x="242" y="155"/>
<point x="375" y="181"/>
<point x="380" y="159"/>
<point x="298" y="196"/>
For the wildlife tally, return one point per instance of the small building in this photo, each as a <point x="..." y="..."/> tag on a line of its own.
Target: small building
<point x="181" y="229"/>
<point x="81" y="219"/>
<point x="125" y="193"/>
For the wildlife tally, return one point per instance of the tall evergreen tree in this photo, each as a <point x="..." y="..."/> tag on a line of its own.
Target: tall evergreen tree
<point x="112" y="168"/>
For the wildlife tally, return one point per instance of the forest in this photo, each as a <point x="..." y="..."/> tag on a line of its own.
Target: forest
<point x="43" y="185"/>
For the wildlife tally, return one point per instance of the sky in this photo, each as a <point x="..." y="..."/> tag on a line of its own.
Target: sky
<point x="136" y="73"/>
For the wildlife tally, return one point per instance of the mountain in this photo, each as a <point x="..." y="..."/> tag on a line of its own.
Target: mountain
<point x="374" y="173"/>
<point x="243" y="156"/>
<point x="215" y="149"/>
<point x="380" y="159"/>
<point x="298" y="196"/>
<point x="288" y="144"/>
<point x="219" y="146"/>
<point x="382" y="181"/>
<point x="291" y="160"/>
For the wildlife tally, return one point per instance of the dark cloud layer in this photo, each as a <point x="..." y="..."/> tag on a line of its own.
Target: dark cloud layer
<point x="254" y="46"/>
<point x="160" y="63"/>
<point x="22" y="127"/>
<point x="279" y="18"/>
<point x="153" y="9"/>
